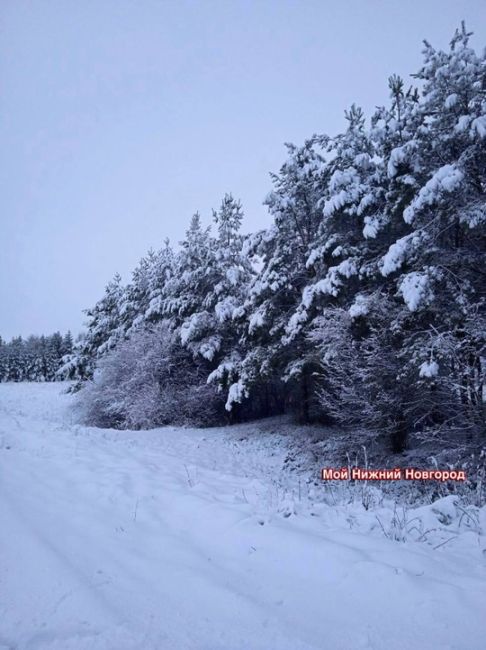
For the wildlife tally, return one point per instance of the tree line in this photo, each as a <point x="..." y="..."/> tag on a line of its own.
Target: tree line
<point x="36" y="358"/>
<point x="362" y="304"/>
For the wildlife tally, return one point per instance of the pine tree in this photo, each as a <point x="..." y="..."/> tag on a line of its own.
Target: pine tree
<point x="161" y="271"/>
<point x="67" y="344"/>
<point x="104" y="330"/>
<point x="364" y="301"/>
<point x="274" y="294"/>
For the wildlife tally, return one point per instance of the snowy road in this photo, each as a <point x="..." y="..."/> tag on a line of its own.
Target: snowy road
<point x="159" y="540"/>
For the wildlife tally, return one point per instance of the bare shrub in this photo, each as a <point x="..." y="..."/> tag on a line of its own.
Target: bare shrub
<point x="147" y="381"/>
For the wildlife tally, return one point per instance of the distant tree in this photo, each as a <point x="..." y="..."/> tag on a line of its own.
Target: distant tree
<point x="36" y="358"/>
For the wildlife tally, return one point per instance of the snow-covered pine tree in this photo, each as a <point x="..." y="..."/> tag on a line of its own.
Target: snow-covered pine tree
<point x="205" y="296"/>
<point x="67" y="344"/>
<point x="231" y="273"/>
<point x="272" y="361"/>
<point x="437" y="265"/>
<point x="339" y="248"/>
<point x="104" y="328"/>
<point x="3" y="352"/>
<point x="347" y="309"/>
<point x="135" y="298"/>
<point x="372" y="274"/>
<point x="160" y="272"/>
<point x="36" y="358"/>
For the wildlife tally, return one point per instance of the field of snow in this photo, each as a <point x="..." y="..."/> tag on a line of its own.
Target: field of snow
<point x="179" y="539"/>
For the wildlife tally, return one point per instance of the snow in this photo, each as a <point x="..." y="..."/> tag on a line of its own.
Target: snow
<point x="478" y="126"/>
<point x="463" y="123"/>
<point x="429" y="369"/>
<point x="317" y="254"/>
<point x="415" y="289"/>
<point x="343" y="186"/>
<point x="233" y="276"/>
<point x="180" y="539"/>
<point x="397" y="157"/>
<point x="256" y="320"/>
<point x="371" y="227"/>
<point x="337" y="251"/>
<point x="451" y="100"/>
<point x="225" y="368"/>
<point x="359" y="307"/>
<point x="295" y="324"/>
<point x="396" y="255"/>
<point x="225" y="309"/>
<point x="236" y="393"/>
<point x="193" y="326"/>
<point x="331" y="283"/>
<point x="446" y="179"/>
<point x="210" y="347"/>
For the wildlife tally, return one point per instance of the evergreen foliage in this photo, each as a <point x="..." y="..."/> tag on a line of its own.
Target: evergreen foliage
<point x="363" y="303"/>
<point x="37" y="358"/>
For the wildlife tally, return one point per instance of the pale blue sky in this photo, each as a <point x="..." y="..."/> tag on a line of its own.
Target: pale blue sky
<point x="119" y="119"/>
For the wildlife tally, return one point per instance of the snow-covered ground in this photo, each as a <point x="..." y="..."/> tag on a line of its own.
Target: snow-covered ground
<point x="179" y="538"/>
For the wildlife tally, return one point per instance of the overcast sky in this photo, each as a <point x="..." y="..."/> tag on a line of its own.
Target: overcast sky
<point x="119" y="119"/>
